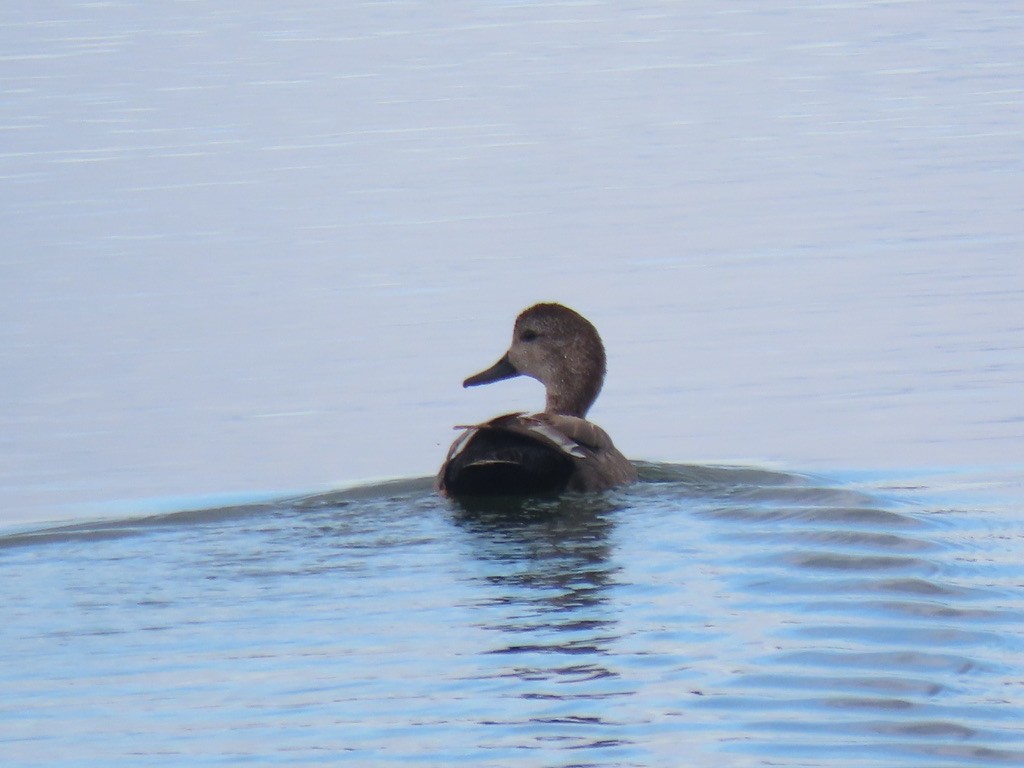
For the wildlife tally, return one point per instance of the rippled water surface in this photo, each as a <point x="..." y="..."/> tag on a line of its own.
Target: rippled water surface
<point x="707" y="616"/>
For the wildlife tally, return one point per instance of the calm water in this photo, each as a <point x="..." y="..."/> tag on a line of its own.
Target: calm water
<point x="706" y="617"/>
<point x="257" y="247"/>
<point x="251" y="250"/>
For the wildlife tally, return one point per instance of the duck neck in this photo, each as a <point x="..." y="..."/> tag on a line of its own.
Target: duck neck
<point x="573" y="397"/>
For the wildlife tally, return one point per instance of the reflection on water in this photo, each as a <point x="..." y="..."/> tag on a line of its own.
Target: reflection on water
<point x="546" y="573"/>
<point x="749" y="615"/>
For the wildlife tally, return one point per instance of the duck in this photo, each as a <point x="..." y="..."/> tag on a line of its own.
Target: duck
<point x="549" y="452"/>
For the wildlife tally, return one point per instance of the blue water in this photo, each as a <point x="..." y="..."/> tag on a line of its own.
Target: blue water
<point x="709" y="616"/>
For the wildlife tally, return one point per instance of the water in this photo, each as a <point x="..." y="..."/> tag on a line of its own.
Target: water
<point x="707" y="616"/>
<point x="254" y="249"/>
<point x="250" y="251"/>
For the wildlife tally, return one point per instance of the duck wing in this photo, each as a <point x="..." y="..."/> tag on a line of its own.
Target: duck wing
<point x="519" y="454"/>
<point x="508" y="455"/>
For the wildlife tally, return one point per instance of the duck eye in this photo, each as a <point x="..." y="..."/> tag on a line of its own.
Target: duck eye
<point x="528" y="336"/>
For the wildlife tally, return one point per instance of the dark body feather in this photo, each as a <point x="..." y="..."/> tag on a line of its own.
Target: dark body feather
<point x="500" y="462"/>
<point x="518" y="454"/>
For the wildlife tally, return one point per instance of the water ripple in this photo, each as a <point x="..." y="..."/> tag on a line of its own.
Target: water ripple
<point x="756" y="616"/>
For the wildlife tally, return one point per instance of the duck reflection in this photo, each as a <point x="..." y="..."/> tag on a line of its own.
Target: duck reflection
<point x="549" y="571"/>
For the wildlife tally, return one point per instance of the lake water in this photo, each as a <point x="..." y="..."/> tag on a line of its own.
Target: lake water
<point x="251" y="251"/>
<point x="707" y="617"/>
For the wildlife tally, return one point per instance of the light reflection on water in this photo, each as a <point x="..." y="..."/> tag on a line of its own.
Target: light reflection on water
<point x="740" y="615"/>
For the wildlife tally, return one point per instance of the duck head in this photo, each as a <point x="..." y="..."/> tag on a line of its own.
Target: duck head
<point x="561" y="349"/>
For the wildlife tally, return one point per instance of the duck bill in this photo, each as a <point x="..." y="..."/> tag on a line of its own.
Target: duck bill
<point x="502" y="369"/>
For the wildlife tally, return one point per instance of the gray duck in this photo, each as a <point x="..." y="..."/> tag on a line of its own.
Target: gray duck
<point x="552" y="451"/>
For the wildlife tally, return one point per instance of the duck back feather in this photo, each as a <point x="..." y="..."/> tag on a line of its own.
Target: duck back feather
<point x="495" y="460"/>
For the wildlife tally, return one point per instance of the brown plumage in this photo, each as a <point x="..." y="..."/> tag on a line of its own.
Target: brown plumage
<point x="547" y="452"/>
